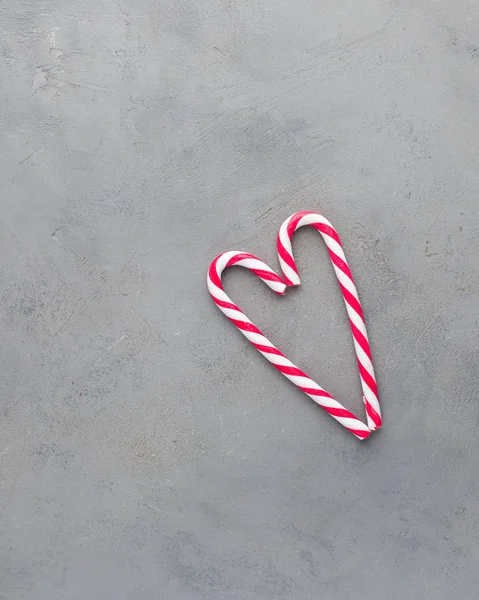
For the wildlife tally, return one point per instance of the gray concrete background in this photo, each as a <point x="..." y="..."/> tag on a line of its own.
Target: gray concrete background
<point x="147" y="451"/>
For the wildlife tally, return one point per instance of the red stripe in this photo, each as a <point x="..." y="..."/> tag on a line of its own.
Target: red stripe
<point x="242" y="256"/>
<point x="226" y="304"/>
<point x="328" y="230"/>
<point x="262" y="273"/>
<point x="213" y="274"/>
<point x="368" y="380"/>
<point x="288" y="259"/>
<point x="293" y="222"/>
<point x="339" y="412"/>
<point x="361" y="434"/>
<point x="291" y="228"/>
<point x="315" y="392"/>
<point x="267" y="275"/>
<point x="268" y="349"/>
<point x="245" y="326"/>
<point x="361" y="340"/>
<point x="339" y="262"/>
<point x="291" y="371"/>
<point x="352" y="301"/>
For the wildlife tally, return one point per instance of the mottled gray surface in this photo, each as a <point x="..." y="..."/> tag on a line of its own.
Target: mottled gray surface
<point x="147" y="451"/>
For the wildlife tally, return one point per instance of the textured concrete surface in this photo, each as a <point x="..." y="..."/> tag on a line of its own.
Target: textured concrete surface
<point x="146" y="450"/>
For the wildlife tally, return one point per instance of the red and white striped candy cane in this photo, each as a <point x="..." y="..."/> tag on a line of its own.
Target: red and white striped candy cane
<point x="350" y="295"/>
<point x="261" y="343"/>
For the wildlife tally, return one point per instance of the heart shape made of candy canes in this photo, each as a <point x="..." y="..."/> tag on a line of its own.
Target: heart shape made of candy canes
<point x="291" y="278"/>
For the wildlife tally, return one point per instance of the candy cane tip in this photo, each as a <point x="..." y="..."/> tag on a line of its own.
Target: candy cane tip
<point x="373" y="417"/>
<point x="292" y="282"/>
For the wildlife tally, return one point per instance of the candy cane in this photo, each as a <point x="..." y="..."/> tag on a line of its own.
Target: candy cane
<point x="275" y="356"/>
<point x="350" y="295"/>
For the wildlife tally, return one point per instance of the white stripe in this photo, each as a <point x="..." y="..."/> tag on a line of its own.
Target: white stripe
<point x="254" y="263"/>
<point x="363" y="357"/>
<point x="289" y="273"/>
<point x="237" y="315"/>
<point x="277" y="359"/>
<point x="284" y="237"/>
<point x="285" y="241"/>
<point x="353" y="424"/>
<point x="249" y="263"/>
<point x="301" y="381"/>
<point x="312" y="219"/>
<point x="257" y="264"/>
<point x="356" y="319"/>
<point x="334" y="246"/>
<point x="370" y="396"/>
<point x="277" y="286"/>
<point x="346" y="281"/>
<point x="256" y="338"/>
<point x="223" y="259"/>
<point x="217" y="292"/>
<point x="325" y="401"/>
